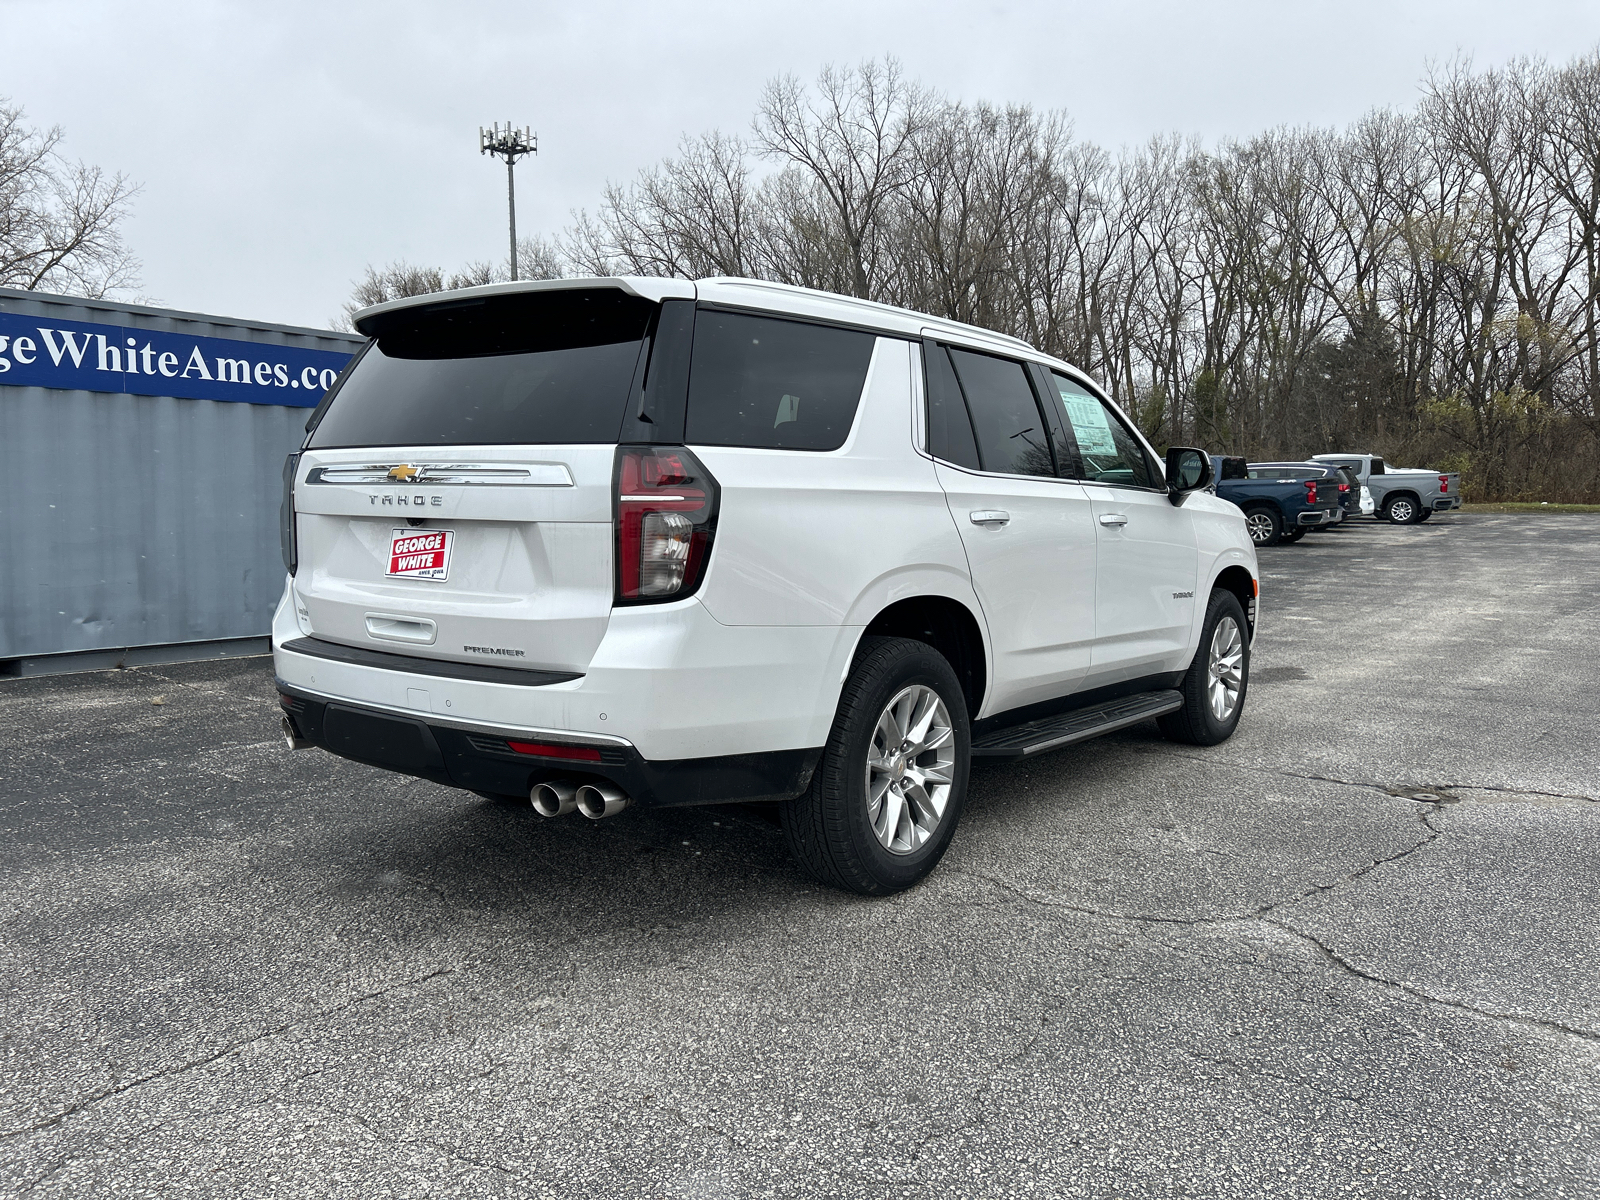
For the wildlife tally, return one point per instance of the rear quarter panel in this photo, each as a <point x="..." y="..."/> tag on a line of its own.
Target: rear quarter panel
<point x="830" y="538"/>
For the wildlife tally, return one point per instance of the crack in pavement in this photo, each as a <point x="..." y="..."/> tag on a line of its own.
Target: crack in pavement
<point x="1227" y="918"/>
<point x="522" y="1181"/>
<point x="975" y="1101"/>
<point x="1434" y="834"/>
<point x="1356" y="783"/>
<point x="1262" y="916"/>
<point x="232" y="1048"/>
<point x="1344" y="964"/>
<point x="1513" y="791"/>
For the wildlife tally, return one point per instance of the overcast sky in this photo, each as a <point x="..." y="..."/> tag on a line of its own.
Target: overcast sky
<point x="283" y="147"/>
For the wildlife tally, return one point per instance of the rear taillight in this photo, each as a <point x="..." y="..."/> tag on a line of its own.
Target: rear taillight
<point x="1344" y="487"/>
<point x="666" y="515"/>
<point x="1311" y="491"/>
<point x="1444" y="483"/>
<point x="286" y="533"/>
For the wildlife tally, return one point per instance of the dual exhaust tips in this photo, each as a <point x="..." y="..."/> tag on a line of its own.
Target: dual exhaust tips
<point x="558" y="797"/>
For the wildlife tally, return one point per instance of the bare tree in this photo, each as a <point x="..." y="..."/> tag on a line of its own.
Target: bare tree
<point x="855" y="140"/>
<point x="59" y="221"/>
<point x="1424" y="283"/>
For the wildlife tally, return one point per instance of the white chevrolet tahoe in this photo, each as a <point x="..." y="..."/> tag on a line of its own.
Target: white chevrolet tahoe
<point x="604" y="542"/>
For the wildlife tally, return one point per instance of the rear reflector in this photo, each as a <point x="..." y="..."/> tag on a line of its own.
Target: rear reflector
<point x="576" y="753"/>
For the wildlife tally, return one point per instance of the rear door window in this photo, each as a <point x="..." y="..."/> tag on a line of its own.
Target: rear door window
<point x="774" y="384"/>
<point x="1109" y="451"/>
<point x="527" y="368"/>
<point x="1011" y="433"/>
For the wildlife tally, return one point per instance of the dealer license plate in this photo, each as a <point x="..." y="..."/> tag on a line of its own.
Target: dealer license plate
<point x="421" y="553"/>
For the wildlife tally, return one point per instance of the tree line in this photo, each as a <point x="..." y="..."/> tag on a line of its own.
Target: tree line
<point x="1424" y="284"/>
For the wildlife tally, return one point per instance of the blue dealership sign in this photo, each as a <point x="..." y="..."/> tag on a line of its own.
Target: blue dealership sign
<point x="76" y="355"/>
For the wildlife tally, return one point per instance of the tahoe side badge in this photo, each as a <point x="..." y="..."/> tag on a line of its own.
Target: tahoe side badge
<point x="421" y="553"/>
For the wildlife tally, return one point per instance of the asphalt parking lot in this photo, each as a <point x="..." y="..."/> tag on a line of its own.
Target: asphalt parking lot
<point x="1352" y="951"/>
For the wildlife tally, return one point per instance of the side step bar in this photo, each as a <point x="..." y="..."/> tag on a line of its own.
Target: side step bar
<point x="1079" y="725"/>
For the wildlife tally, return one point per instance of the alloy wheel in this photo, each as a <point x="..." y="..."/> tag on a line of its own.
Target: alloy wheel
<point x="1260" y="526"/>
<point x="910" y="768"/>
<point x="1225" y="664"/>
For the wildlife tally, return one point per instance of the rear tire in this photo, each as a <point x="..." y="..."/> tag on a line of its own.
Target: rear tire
<point x="1264" y="524"/>
<point x="1401" y="510"/>
<point x="835" y="830"/>
<point x="1221" y="669"/>
<point x="1291" y="536"/>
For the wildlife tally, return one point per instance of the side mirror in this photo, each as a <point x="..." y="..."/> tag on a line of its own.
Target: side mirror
<point x="1188" y="470"/>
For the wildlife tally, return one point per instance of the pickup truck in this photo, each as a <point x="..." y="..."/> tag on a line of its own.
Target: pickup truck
<point x="1277" y="507"/>
<point x="1341" y="479"/>
<point x="1401" y="496"/>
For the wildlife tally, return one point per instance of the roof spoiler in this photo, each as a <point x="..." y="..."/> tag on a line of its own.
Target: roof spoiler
<point x="655" y="290"/>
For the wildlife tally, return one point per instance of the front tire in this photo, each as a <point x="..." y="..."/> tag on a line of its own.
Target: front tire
<point x="1215" y="685"/>
<point x="889" y="791"/>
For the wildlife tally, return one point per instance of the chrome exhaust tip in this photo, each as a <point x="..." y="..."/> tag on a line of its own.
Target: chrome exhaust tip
<point x="292" y="739"/>
<point x="554" y="798"/>
<point x="597" y="800"/>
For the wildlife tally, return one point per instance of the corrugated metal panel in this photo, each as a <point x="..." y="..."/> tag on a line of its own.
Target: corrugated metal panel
<point x="132" y="520"/>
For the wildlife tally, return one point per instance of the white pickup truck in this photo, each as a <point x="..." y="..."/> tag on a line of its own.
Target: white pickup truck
<point x="1400" y="495"/>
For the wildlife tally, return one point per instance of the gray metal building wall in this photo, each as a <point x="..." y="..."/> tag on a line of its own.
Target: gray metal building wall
<point x="131" y="520"/>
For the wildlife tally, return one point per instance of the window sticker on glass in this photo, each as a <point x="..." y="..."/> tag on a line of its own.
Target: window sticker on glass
<point x="1090" y="424"/>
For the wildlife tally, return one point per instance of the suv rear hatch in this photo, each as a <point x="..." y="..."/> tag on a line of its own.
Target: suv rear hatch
<point x="454" y="500"/>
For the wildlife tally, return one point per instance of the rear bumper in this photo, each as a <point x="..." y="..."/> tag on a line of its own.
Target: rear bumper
<point x="481" y="758"/>
<point x="1319" y="516"/>
<point x="668" y="681"/>
<point x="1446" y="503"/>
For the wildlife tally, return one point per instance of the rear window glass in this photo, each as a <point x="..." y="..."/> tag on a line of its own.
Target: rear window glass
<point x="774" y="384"/>
<point x="531" y="367"/>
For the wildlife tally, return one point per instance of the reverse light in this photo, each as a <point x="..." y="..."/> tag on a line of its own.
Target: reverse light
<point x="666" y="512"/>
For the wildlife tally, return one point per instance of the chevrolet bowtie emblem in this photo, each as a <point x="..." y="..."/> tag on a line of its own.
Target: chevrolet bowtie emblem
<point x="404" y="473"/>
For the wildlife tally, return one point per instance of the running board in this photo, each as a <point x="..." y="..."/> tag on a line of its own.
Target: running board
<point x="1079" y="725"/>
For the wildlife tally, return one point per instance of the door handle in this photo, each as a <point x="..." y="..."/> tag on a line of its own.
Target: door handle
<point x="990" y="517"/>
<point x="1113" y="519"/>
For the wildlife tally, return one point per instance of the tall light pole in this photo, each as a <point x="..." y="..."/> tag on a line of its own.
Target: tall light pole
<point x="509" y="144"/>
